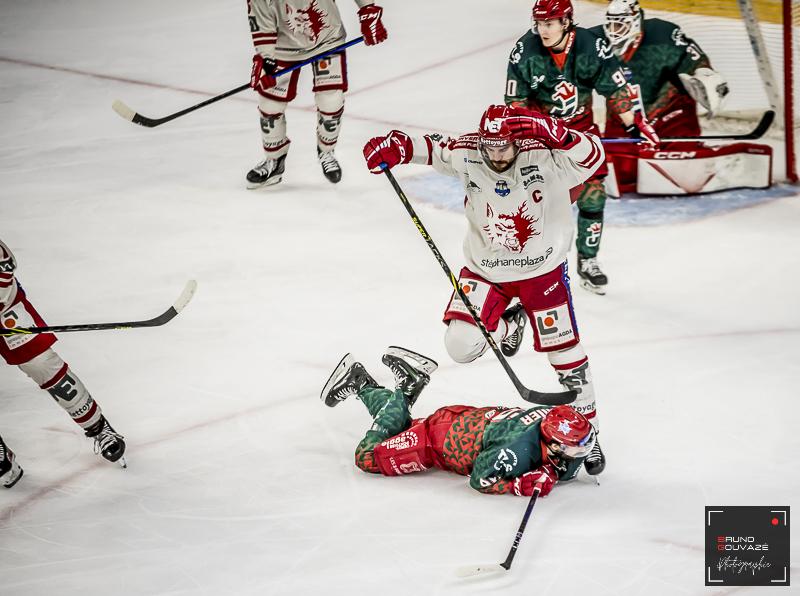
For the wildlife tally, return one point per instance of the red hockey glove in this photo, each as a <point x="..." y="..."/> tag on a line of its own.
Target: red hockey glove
<point x="395" y="148"/>
<point x="533" y="125"/>
<point x="372" y="28"/>
<point x="544" y="478"/>
<point x="642" y="128"/>
<point x="261" y="78"/>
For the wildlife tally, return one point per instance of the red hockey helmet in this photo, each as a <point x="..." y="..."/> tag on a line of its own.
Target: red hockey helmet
<point x="544" y="10"/>
<point x="567" y="433"/>
<point x="494" y="131"/>
<point x="495" y="142"/>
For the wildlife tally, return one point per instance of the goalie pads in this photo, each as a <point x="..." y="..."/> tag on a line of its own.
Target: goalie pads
<point x="691" y="168"/>
<point x="706" y="87"/>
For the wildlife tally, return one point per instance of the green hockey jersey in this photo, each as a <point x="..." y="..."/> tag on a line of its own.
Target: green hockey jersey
<point x="535" y="79"/>
<point x="652" y="64"/>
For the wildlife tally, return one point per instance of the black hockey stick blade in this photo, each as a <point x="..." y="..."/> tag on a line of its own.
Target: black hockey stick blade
<point x="559" y="398"/>
<point x="163" y="318"/>
<point x="761" y="128"/>
<point x="129" y="114"/>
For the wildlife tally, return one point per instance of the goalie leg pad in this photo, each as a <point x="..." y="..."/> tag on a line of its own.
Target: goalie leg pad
<point x="405" y="453"/>
<point x="692" y="168"/>
<point x="53" y="375"/>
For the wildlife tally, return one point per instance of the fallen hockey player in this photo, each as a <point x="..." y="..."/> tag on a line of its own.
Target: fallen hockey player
<point x="501" y="449"/>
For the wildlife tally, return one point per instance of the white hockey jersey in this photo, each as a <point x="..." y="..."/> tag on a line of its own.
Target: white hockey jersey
<point x="8" y="282"/>
<point x="295" y="30"/>
<point x="520" y="221"/>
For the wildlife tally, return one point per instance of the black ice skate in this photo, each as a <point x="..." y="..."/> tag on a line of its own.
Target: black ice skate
<point x="411" y="371"/>
<point x="348" y="378"/>
<point x="330" y="165"/>
<point x="512" y="342"/>
<point x="107" y="441"/>
<point x="10" y="472"/>
<point x="592" y="278"/>
<point x="595" y="462"/>
<point x="267" y="173"/>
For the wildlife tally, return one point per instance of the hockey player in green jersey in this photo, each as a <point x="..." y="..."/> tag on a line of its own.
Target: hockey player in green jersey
<point x="501" y="449"/>
<point x="554" y="68"/>
<point x="669" y="75"/>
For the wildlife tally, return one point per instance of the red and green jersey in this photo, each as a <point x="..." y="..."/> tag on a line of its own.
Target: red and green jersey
<point x="496" y="445"/>
<point x="653" y="62"/>
<point x="561" y="84"/>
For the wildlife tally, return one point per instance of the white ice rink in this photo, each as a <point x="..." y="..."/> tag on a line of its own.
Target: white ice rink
<point x="240" y="481"/>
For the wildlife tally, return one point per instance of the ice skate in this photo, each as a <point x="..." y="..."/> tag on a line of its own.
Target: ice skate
<point x="107" y="442"/>
<point x="267" y="173"/>
<point x="592" y="278"/>
<point x="10" y="472"/>
<point x="348" y="378"/>
<point x="512" y="342"/>
<point x="330" y="165"/>
<point x="411" y="371"/>
<point x="595" y="462"/>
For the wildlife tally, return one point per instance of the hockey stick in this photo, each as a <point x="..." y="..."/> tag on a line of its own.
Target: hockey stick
<point x="758" y="132"/>
<point x="165" y="317"/>
<point x="472" y="570"/>
<point x="537" y="397"/>
<point x="123" y="110"/>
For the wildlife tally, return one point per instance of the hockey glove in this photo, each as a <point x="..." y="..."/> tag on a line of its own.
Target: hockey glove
<point x="261" y="78"/>
<point x="372" y="28"/>
<point x="544" y="477"/>
<point x="641" y="128"/>
<point x="393" y="149"/>
<point x="533" y="125"/>
<point x="706" y="87"/>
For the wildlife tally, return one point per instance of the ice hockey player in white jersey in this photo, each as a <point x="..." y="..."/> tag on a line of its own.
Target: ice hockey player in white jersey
<point x="34" y="355"/>
<point x="284" y="33"/>
<point x="517" y="172"/>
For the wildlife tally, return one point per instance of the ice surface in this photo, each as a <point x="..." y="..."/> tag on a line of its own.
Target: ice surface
<point x="240" y="481"/>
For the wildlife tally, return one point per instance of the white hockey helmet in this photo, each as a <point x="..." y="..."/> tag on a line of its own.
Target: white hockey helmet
<point x="623" y="24"/>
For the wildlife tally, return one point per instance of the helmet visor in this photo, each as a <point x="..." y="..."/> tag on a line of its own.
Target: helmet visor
<point x="573" y="451"/>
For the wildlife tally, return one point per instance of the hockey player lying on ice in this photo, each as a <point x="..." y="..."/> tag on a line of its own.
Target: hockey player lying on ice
<point x="502" y="450"/>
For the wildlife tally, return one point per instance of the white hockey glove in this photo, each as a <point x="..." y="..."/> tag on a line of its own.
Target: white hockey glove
<point x="707" y="87"/>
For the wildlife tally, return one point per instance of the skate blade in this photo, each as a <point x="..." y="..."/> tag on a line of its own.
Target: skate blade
<point x="426" y="365"/>
<point x="344" y="364"/>
<point x="16" y="478"/>
<point x="270" y="182"/>
<point x="122" y="463"/>
<point x="587" y="285"/>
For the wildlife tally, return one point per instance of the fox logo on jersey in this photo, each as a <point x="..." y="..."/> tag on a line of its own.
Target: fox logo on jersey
<point x="567" y="97"/>
<point x="510" y="231"/>
<point x="308" y="21"/>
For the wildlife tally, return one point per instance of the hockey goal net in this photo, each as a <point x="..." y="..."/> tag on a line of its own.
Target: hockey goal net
<point x="754" y="45"/>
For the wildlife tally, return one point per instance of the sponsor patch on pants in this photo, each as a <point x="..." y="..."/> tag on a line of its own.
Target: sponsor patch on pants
<point x="554" y="326"/>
